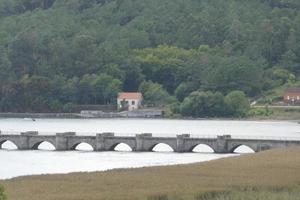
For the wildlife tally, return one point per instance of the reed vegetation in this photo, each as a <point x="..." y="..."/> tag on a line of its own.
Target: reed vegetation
<point x="262" y="176"/>
<point x="2" y="194"/>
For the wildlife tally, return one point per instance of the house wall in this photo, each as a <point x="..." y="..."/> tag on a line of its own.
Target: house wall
<point x="131" y="106"/>
<point x="291" y="97"/>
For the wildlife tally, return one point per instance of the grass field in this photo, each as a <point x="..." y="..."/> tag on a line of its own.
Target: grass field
<point x="266" y="175"/>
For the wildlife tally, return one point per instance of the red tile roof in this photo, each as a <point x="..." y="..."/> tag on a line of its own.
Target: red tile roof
<point x="293" y="90"/>
<point x="129" y="95"/>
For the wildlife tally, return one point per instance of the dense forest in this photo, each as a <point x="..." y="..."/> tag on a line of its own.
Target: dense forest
<point x="195" y="56"/>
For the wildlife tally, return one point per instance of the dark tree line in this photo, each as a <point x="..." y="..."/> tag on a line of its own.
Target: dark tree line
<point x="58" y="53"/>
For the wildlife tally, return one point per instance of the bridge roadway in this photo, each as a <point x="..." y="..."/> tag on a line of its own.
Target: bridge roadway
<point x="141" y="142"/>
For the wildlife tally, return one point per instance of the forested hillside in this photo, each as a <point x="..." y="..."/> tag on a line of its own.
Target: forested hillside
<point x="58" y="53"/>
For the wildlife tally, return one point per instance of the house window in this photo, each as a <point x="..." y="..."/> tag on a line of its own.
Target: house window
<point x="126" y="102"/>
<point x="133" y="102"/>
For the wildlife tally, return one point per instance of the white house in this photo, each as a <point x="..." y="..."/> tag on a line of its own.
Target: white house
<point x="129" y="100"/>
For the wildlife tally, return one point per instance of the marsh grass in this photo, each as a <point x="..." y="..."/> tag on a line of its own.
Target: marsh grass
<point x="253" y="193"/>
<point x="269" y="174"/>
<point x="246" y="193"/>
<point x="2" y="193"/>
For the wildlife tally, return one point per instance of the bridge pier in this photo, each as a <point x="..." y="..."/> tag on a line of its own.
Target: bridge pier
<point x="181" y="142"/>
<point x="62" y="140"/>
<point x="222" y="144"/>
<point x="100" y="141"/>
<point x="24" y="143"/>
<point x="141" y="140"/>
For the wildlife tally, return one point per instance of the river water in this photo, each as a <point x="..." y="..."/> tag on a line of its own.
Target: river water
<point x="18" y="163"/>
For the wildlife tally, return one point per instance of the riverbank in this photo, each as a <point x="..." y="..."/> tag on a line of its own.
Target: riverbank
<point x="96" y="114"/>
<point x="269" y="170"/>
<point x="40" y="115"/>
<point x="274" y="115"/>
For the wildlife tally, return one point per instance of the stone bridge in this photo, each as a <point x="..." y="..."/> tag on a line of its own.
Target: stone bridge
<point x="141" y="142"/>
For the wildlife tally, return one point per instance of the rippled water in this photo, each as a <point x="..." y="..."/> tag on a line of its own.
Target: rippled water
<point x="16" y="163"/>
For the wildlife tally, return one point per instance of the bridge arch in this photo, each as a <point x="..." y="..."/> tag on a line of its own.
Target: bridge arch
<point x="12" y="140"/>
<point x="202" y="148"/>
<point x="83" y="146"/>
<point x="162" y="147"/>
<point x="243" y="148"/>
<point x="121" y="146"/>
<point x="11" y="143"/>
<point x="49" y="145"/>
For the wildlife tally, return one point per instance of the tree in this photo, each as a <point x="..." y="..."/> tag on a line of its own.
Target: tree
<point x="203" y="104"/>
<point x="237" y="104"/>
<point x="233" y="73"/>
<point x="154" y="94"/>
<point x="184" y="89"/>
<point x="88" y="48"/>
<point x="164" y="64"/>
<point x="105" y="89"/>
<point x="283" y="75"/>
<point x="6" y="73"/>
<point x="36" y="92"/>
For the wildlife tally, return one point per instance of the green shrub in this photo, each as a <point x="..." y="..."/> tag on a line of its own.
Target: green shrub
<point x="212" y="195"/>
<point x="260" y="112"/>
<point x="2" y="194"/>
<point x="68" y="107"/>
<point x="253" y="193"/>
<point x="158" y="197"/>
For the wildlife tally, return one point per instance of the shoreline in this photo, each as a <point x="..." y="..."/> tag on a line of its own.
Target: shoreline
<point x="79" y="116"/>
<point x="223" y="174"/>
<point x="125" y="168"/>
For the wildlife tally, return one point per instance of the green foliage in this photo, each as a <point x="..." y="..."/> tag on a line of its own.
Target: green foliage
<point x="90" y="49"/>
<point x="212" y="195"/>
<point x="172" y="110"/>
<point x="284" y="76"/>
<point x="154" y="94"/>
<point x="252" y="193"/>
<point x="68" y="108"/>
<point x="254" y="112"/>
<point x="2" y="194"/>
<point x="234" y="73"/>
<point x="183" y="90"/>
<point x="158" y="197"/>
<point x="237" y="104"/>
<point x="209" y="104"/>
<point x="203" y="104"/>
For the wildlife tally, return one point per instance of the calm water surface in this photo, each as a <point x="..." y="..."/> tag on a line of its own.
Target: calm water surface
<point x="16" y="163"/>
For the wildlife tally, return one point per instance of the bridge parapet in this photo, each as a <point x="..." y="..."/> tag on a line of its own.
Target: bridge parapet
<point x="144" y="135"/>
<point x="30" y="133"/>
<point x="66" y="134"/>
<point x="184" y="136"/>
